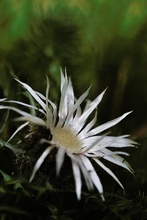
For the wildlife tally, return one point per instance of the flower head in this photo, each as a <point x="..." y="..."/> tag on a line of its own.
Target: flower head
<point x="72" y="135"/>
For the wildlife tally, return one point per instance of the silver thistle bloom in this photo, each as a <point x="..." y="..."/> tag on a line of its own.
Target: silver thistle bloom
<point x="82" y="142"/>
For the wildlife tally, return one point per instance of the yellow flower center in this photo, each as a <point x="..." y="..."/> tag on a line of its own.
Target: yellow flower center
<point x="66" y="138"/>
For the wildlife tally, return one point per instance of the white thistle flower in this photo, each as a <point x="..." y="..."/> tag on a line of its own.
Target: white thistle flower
<point x="71" y="135"/>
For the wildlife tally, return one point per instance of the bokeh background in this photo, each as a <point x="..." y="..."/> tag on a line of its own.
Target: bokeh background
<point x="101" y="43"/>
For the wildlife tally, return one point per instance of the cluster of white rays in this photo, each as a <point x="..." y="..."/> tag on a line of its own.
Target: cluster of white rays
<point x="82" y="142"/>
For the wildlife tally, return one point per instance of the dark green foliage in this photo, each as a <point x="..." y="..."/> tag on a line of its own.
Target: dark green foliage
<point x="20" y="200"/>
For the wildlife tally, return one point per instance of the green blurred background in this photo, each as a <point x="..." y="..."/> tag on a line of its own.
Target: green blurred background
<point x="101" y="43"/>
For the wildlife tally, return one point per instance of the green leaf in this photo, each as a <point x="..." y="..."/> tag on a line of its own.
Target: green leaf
<point x="6" y="177"/>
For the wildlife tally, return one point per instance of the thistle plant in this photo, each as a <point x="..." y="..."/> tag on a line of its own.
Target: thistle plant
<point x="68" y="131"/>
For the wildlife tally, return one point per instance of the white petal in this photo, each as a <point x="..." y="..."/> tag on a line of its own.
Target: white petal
<point x="66" y="101"/>
<point x="119" y="153"/>
<point x="26" y="105"/>
<point x="107" y="125"/>
<point x="17" y="130"/>
<point x="99" y="154"/>
<point x="83" y="132"/>
<point x="26" y="116"/>
<point x="48" y="112"/>
<point x="76" y="105"/>
<point x="40" y="162"/>
<point x="93" y="175"/>
<point x="108" y="171"/>
<point x="97" y="146"/>
<point x="63" y="102"/>
<point x="52" y="105"/>
<point x="77" y="114"/>
<point x="100" y="142"/>
<point x="33" y="119"/>
<point x="85" y="173"/>
<point x="77" y="177"/>
<point x="67" y="96"/>
<point x="119" y="161"/>
<point x="54" y="113"/>
<point x="118" y="142"/>
<point x="33" y="93"/>
<point x="3" y="99"/>
<point x="91" y="144"/>
<point x="59" y="159"/>
<point x="70" y="96"/>
<point x="63" y="79"/>
<point x="33" y="103"/>
<point x="91" y="107"/>
<point x="112" y="157"/>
